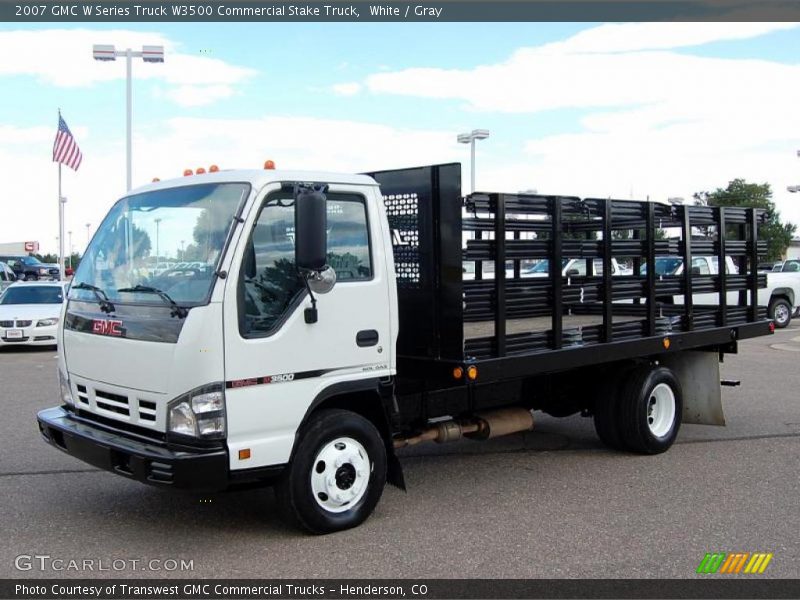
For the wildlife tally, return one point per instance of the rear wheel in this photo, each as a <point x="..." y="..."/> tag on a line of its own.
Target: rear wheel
<point x="606" y="411"/>
<point x="337" y="474"/>
<point x="650" y="410"/>
<point x="780" y="311"/>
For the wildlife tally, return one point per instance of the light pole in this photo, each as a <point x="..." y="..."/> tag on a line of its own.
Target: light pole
<point x="794" y="189"/>
<point x="152" y="54"/>
<point x="70" y="250"/>
<point x="469" y="138"/>
<point x="88" y="235"/>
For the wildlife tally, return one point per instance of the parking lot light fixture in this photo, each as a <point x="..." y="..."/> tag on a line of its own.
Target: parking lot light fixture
<point x="149" y="54"/>
<point x="469" y="138"/>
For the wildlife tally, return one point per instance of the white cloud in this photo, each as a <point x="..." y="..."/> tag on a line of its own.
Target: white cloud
<point x="63" y="57"/>
<point x="346" y="89"/>
<point x="292" y="142"/>
<point x="658" y="122"/>
<point x="199" y="95"/>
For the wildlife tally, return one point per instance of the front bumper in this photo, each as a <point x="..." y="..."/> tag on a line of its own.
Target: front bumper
<point x="31" y="336"/>
<point x="204" y="470"/>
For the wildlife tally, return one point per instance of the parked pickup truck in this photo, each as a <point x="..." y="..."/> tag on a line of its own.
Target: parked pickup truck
<point x="780" y="296"/>
<point x="333" y="327"/>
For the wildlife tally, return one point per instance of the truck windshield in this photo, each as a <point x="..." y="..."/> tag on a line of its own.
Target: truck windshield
<point x="167" y="239"/>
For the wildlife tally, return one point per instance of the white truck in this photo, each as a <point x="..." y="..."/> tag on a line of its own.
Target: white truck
<point x="327" y="324"/>
<point x="780" y="296"/>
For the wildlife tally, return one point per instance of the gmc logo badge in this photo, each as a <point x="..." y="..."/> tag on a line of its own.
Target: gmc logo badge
<point x="107" y="327"/>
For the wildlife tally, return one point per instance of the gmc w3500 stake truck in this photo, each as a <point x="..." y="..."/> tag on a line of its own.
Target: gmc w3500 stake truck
<point x="324" y="322"/>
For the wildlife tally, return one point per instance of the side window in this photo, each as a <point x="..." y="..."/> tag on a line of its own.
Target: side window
<point x="700" y="266"/>
<point x="348" y="240"/>
<point x="269" y="284"/>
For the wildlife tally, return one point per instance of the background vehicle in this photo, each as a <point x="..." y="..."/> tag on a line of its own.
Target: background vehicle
<point x="334" y="325"/>
<point x="7" y="276"/>
<point x="29" y="313"/>
<point x="30" y="268"/>
<point x="780" y="295"/>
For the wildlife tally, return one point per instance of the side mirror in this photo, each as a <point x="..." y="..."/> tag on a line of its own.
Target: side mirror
<point x="310" y="229"/>
<point x="695" y="270"/>
<point x="573" y="272"/>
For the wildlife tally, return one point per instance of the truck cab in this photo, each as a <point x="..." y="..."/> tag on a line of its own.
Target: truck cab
<point x="204" y="374"/>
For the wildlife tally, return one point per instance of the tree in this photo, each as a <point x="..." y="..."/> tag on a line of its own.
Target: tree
<point x="778" y="235"/>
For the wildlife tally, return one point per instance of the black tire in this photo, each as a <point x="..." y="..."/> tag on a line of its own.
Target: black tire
<point x="31" y="277"/>
<point x="637" y="403"/>
<point x="606" y="410"/>
<point x="780" y="311"/>
<point x="294" y="493"/>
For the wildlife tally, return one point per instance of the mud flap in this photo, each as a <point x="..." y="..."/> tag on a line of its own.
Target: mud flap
<point x="698" y="374"/>
<point x="394" y="473"/>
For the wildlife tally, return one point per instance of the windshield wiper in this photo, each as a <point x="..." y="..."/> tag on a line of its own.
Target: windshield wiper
<point x="177" y="311"/>
<point x="102" y="299"/>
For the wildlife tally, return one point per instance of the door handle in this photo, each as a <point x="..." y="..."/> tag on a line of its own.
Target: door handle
<point x="367" y="337"/>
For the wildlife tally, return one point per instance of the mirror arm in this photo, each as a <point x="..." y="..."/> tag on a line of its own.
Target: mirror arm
<point x="311" y="314"/>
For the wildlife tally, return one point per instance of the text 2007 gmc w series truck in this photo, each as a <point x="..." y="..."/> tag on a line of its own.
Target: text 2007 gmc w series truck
<point x="311" y="323"/>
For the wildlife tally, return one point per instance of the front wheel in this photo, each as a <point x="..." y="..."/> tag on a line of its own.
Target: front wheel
<point x="337" y="474"/>
<point x="780" y="311"/>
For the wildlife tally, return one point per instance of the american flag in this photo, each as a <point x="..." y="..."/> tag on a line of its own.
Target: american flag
<point x="65" y="150"/>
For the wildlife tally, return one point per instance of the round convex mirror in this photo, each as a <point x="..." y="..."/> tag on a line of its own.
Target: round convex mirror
<point x="322" y="282"/>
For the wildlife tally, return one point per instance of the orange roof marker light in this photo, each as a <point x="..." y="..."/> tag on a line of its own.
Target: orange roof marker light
<point x="213" y="169"/>
<point x="270" y="164"/>
<point x="187" y="172"/>
<point x="200" y="171"/>
<point x="155" y="179"/>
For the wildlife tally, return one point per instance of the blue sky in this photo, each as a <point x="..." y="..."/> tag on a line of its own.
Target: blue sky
<point x="658" y="110"/>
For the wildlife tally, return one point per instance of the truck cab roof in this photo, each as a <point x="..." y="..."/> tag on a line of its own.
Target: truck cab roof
<point x="258" y="178"/>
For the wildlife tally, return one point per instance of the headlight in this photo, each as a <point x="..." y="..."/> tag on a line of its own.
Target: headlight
<point x="199" y="414"/>
<point x="44" y="272"/>
<point x="46" y="322"/>
<point x="66" y="393"/>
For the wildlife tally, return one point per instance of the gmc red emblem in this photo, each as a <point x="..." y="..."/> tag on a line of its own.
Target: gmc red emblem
<point x="107" y="327"/>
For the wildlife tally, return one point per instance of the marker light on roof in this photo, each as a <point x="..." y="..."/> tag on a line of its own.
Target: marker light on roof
<point x="187" y="172"/>
<point x="269" y="164"/>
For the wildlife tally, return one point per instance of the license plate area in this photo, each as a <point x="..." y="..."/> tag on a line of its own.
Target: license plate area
<point x="14" y="334"/>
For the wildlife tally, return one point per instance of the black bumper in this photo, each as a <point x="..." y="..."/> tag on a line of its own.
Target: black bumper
<point x="203" y="470"/>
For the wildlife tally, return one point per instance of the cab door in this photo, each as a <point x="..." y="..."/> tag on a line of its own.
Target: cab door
<point x="276" y="361"/>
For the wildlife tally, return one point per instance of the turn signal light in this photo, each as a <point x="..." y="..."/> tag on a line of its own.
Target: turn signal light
<point x="472" y="372"/>
<point x="269" y="164"/>
<point x="666" y="343"/>
<point x="187" y="172"/>
<point x="458" y="373"/>
<point x="244" y="454"/>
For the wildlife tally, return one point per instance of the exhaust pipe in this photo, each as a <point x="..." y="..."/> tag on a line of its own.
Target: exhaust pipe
<point x="483" y="426"/>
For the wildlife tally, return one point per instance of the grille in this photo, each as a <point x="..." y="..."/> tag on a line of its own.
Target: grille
<point x="83" y="396"/>
<point x="112" y="402"/>
<point x="24" y="323"/>
<point x="402" y="212"/>
<point x="6" y="323"/>
<point x="147" y="410"/>
<point x="117" y="407"/>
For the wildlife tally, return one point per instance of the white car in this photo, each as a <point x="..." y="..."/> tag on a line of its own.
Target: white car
<point x="29" y="313"/>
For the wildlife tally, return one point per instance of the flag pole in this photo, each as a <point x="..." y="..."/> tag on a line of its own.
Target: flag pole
<point x="61" y="201"/>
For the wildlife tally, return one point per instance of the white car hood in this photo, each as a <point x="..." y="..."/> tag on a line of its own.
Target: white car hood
<point x="29" y="311"/>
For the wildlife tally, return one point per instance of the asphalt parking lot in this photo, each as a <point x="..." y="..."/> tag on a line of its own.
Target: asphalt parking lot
<point x="550" y="503"/>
